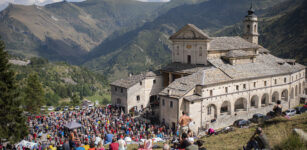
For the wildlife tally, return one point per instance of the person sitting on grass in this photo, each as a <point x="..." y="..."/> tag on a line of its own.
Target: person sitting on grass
<point x="257" y="141"/>
<point x="184" y="143"/>
<point x="200" y="143"/>
<point x="166" y="147"/>
<point x="278" y="108"/>
<point x="148" y="143"/>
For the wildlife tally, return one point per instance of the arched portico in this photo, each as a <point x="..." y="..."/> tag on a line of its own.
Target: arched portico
<point x="255" y="101"/>
<point x="275" y="96"/>
<point x="211" y="111"/>
<point x="226" y="108"/>
<point x="265" y="100"/>
<point x="240" y="104"/>
<point x="284" y="95"/>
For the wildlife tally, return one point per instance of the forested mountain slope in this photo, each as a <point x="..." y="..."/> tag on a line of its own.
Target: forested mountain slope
<point x="282" y="29"/>
<point x="147" y="47"/>
<point x="67" y="31"/>
<point x="61" y="80"/>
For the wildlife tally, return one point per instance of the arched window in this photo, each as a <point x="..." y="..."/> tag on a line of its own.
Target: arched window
<point x="200" y="51"/>
<point x="248" y="28"/>
<point x="209" y="110"/>
<point x="177" y="50"/>
<point x="255" y="28"/>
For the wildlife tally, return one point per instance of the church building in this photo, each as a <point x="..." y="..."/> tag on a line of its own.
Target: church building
<point x="216" y="80"/>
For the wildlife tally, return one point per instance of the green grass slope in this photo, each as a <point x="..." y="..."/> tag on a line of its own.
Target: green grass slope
<point x="278" y="131"/>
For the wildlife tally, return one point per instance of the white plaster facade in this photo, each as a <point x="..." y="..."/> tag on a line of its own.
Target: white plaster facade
<point x="136" y="95"/>
<point x="216" y="80"/>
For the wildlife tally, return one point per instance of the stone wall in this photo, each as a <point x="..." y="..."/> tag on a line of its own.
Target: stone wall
<point x="241" y="103"/>
<point x="137" y="95"/>
<point x="169" y="114"/>
<point x="119" y="96"/>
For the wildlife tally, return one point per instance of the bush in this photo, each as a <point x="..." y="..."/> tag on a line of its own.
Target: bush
<point x="293" y="142"/>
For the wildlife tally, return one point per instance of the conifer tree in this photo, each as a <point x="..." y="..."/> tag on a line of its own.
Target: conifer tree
<point x="75" y="99"/>
<point x="34" y="94"/>
<point x="12" y="121"/>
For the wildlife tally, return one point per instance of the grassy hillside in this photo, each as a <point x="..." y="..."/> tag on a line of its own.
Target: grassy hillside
<point x="67" y="31"/>
<point x="61" y="80"/>
<point x="278" y="132"/>
<point x="120" y="55"/>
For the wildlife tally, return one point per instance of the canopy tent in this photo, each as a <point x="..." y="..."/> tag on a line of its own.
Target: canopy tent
<point x="73" y="125"/>
<point x="26" y="144"/>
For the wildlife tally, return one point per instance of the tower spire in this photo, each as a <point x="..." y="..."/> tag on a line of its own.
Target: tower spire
<point x="251" y="26"/>
<point x="251" y="4"/>
<point x="251" y="9"/>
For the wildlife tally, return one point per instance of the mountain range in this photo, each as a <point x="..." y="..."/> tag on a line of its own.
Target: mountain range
<point x="118" y="37"/>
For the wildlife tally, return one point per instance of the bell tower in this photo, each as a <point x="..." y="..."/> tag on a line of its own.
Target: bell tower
<point x="251" y="26"/>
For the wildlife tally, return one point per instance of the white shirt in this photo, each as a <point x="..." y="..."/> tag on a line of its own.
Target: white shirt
<point x="121" y="144"/>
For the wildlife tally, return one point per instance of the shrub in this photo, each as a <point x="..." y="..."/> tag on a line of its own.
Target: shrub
<point x="293" y="142"/>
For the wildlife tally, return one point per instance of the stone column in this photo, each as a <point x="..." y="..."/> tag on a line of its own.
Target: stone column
<point x="259" y="101"/>
<point x="218" y="110"/>
<point x="232" y="108"/>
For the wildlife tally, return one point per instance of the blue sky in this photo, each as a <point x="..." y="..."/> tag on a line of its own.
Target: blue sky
<point x="4" y="3"/>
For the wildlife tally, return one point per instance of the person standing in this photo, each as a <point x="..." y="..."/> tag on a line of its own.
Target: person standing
<point x="113" y="145"/>
<point x="100" y="146"/>
<point x="184" y="121"/>
<point x="122" y="143"/>
<point x="108" y="138"/>
<point x="66" y="145"/>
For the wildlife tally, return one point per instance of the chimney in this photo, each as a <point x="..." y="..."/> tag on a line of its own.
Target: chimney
<point x="203" y="78"/>
<point x="169" y="91"/>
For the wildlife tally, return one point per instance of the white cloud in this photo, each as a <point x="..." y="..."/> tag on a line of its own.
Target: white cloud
<point x="154" y="0"/>
<point x="4" y="3"/>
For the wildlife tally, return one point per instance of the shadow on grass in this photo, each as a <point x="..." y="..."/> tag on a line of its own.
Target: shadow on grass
<point x="274" y="121"/>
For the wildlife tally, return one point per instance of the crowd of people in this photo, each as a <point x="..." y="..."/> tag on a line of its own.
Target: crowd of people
<point x="108" y="127"/>
<point x="102" y="128"/>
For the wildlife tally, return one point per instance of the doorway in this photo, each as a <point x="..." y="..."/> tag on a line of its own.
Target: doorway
<point x="189" y="59"/>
